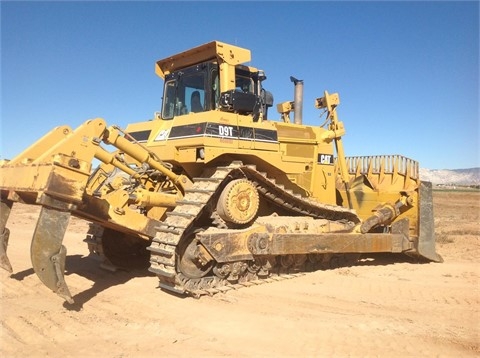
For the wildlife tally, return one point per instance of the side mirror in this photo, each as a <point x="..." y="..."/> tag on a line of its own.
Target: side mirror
<point x="267" y="98"/>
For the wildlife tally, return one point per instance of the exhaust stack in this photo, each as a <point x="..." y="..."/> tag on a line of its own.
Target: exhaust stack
<point x="298" y="100"/>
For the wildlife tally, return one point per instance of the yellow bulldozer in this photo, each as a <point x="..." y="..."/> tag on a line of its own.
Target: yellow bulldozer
<point x="212" y="194"/>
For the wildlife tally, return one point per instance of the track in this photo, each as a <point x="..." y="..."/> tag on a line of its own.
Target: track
<point x="174" y="242"/>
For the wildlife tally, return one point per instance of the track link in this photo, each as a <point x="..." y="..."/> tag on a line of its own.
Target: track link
<point x="198" y="204"/>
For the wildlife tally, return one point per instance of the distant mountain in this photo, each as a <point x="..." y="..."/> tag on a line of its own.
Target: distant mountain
<point x="451" y="177"/>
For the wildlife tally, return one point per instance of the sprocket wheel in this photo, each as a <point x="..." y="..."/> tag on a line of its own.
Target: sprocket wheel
<point x="238" y="202"/>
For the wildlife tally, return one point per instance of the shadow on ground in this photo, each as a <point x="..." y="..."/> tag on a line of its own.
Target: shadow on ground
<point x="383" y="259"/>
<point x="90" y="269"/>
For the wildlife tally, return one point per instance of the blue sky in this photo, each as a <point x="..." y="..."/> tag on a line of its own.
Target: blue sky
<point x="407" y="72"/>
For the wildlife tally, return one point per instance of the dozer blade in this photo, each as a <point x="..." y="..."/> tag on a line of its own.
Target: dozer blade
<point x="426" y="235"/>
<point x="47" y="252"/>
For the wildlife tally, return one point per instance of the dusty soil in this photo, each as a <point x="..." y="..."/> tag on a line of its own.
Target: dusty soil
<point x="381" y="307"/>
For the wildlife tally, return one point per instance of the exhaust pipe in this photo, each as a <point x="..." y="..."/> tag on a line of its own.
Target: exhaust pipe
<point x="298" y="100"/>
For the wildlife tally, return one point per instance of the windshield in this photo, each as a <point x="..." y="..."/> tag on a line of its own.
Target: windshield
<point x="184" y="93"/>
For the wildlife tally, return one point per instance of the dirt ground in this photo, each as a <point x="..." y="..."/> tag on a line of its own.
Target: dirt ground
<point x="381" y="307"/>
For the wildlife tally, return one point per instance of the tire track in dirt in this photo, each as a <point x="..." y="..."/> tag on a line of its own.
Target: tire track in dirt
<point x="10" y="333"/>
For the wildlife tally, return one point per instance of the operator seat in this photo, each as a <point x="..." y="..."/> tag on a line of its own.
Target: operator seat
<point x="195" y="103"/>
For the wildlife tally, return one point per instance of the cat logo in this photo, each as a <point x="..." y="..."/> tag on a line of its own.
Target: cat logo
<point x="163" y="135"/>
<point x="325" y="159"/>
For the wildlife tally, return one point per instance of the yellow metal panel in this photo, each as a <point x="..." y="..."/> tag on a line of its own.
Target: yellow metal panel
<point x="300" y="150"/>
<point x="295" y="132"/>
<point x="64" y="183"/>
<point x="42" y="145"/>
<point x="186" y="155"/>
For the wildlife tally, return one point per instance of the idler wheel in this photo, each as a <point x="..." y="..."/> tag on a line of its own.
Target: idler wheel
<point x="238" y="202"/>
<point x="189" y="263"/>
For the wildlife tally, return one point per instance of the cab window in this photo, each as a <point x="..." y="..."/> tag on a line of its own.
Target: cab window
<point x="244" y="84"/>
<point x="184" y="92"/>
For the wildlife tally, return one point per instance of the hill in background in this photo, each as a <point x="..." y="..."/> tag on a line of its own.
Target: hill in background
<point x="451" y="177"/>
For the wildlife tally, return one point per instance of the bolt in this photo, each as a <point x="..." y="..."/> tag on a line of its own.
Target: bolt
<point x="119" y="211"/>
<point x="262" y="243"/>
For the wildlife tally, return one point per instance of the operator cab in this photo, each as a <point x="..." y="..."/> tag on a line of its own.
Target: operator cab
<point x="196" y="89"/>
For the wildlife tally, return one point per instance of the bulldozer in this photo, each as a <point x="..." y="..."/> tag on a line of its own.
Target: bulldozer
<point x="212" y="194"/>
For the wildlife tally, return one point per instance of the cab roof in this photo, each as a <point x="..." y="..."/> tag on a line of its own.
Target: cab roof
<point x="223" y="52"/>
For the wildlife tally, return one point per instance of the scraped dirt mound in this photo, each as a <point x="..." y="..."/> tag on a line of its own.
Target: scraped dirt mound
<point x="385" y="306"/>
